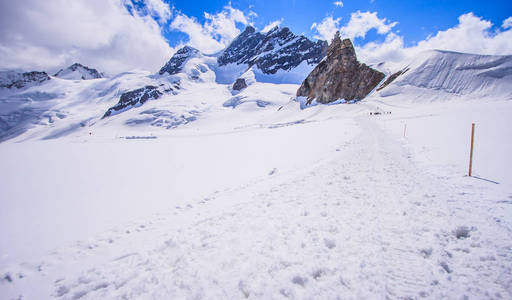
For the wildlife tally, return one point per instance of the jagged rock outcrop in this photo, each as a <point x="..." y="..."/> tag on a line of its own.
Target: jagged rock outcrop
<point x="278" y="49"/>
<point x="239" y="84"/>
<point x="339" y="76"/>
<point x="178" y="60"/>
<point x="134" y="98"/>
<point x="78" y="72"/>
<point x="12" y="79"/>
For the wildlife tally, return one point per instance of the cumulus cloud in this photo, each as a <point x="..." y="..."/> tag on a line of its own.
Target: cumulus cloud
<point x="272" y="25"/>
<point x="326" y="29"/>
<point x="159" y="9"/>
<point x="358" y="25"/>
<point x="338" y="3"/>
<point x="362" y="22"/>
<point x="217" y="31"/>
<point x="392" y="50"/>
<point x="472" y="34"/>
<point x="507" y="23"/>
<point x="199" y="37"/>
<point x="48" y="35"/>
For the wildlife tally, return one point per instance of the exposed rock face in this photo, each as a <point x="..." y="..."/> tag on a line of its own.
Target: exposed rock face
<point x="77" y="71"/>
<point x="340" y="76"/>
<point x="239" y="84"/>
<point x="178" y="60"/>
<point x="391" y="78"/>
<point x="21" y="80"/>
<point x="134" y="98"/>
<point x="278" y="49"/>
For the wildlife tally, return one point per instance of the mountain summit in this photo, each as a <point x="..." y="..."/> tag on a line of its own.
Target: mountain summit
<point x="178" y="60"/>
<point x="78" y="71"/>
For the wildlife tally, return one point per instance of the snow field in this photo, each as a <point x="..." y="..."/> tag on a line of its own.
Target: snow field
<point x="365" y="219"/>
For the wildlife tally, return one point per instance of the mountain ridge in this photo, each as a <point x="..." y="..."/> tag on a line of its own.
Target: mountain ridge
<point x="276" y="49"/>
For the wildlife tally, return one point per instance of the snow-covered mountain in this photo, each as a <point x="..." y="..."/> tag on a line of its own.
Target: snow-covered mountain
<point x="17" y="80"/>
<point x="277" y="56"/>
<point x="277" y="50"/>
<point x="193" y="86"/>
<point x="78" y="72"/>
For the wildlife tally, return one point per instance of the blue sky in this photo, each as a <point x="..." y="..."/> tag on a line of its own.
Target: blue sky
<point x="416" y="19"/>
<point x="121" y="35"/>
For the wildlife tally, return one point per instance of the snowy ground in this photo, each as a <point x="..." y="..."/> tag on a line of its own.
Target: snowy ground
<point x="325" y="203"/>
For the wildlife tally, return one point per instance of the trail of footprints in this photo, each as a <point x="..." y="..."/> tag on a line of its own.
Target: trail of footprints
<point x="348" y="229"/>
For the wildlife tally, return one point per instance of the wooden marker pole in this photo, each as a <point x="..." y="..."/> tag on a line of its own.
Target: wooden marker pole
<point x="471" y="151"/>
<point x="405" y="128"/>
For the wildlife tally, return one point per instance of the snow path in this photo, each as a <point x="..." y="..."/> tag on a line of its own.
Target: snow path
<point x="366" y="224"/>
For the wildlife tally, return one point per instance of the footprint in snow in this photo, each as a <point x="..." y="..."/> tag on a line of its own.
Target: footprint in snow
<point x="329" y="243"/>
<point x="299" y="280"/>
<point x="463" y="232"/>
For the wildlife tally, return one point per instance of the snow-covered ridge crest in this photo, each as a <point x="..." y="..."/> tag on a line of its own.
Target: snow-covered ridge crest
<point x="456" y="73"/>
<point x="12" y="79"/>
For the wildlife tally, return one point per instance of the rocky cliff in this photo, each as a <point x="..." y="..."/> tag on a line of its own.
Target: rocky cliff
<point x="134" y="98"/>
<point x="11" y="79"/>
<point x="339" y="76"/>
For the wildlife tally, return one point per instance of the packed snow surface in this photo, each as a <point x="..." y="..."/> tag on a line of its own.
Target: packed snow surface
<point x="250" y="196"/>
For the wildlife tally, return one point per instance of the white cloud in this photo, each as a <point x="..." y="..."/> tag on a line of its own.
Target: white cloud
<point x="159" y="9"/>
<point x="199" y="37"/>
<point x="507" y="23"/>
<point x="217" y="31"/>
<point x="471" y="35"/>
<point x="391" y="50"/>
<point x="338" y="3"/>
<point x="358" y="25"/>
<point x="326" y="29"/>
<point x="362" y="22"/>
<point x="272" y="25"/>
<point x="48" y="35"/>
<point x="223" y="24"/>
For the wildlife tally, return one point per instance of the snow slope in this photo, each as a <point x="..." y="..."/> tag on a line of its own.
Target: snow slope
<point x="438" y="73"/>
<point x="335" y="205"/>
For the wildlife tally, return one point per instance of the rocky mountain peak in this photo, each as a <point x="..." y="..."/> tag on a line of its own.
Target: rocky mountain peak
<point x="339" y="76"/>
<point x="248" y="30"/>
<point x="178" y="60"/>
<point x="277" y="49"/>
<point x="342" y="48"/>
<point x="78" y="71"/>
